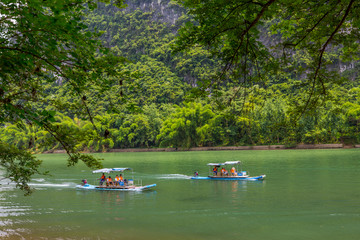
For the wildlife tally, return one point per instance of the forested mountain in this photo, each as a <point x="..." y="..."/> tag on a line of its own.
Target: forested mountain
<point x="154" y="102"/>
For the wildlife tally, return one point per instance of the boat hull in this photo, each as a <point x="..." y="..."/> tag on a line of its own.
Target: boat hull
<point x="135" y="188"/>
<point x="232" y="178"/>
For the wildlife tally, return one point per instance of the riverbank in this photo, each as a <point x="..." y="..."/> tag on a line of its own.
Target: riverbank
<point x="262" y="147"/>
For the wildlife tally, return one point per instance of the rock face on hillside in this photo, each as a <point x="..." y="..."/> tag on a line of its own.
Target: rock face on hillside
<point x="166" y="10"/>
<point x="169" y="12"/>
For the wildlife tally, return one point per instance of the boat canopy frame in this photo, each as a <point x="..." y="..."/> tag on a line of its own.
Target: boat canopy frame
<point x="121" y="170"/>
<point x="224" y="164"/>
<point x="109" y="170"/>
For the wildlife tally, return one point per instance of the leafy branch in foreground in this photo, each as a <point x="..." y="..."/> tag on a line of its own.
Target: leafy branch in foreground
<point x="20" y="166"/>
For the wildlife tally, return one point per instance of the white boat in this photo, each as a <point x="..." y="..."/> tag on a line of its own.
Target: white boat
<point x="125" y="185"/>
<point x="233" y="174"/>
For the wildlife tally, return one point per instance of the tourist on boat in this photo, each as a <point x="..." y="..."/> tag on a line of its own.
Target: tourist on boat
<point x="102" y="179"/>
<point x="196" y="174"/>
<point x="233" y="171"/>
<point x="117" y="180"/>
<point x="224" y="172"/>
<point x="215" y="171"/>
<point x="122" y="181"/>
<point x="109" y="181"/>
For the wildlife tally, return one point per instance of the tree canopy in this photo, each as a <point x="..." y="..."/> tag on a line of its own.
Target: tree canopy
<point x="236" y="32"/>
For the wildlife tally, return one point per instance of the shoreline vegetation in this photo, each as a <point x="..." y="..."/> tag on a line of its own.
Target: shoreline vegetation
<point x="227" y="148"/>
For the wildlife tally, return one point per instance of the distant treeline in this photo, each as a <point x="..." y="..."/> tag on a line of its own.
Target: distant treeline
<point x="264" y="117"/>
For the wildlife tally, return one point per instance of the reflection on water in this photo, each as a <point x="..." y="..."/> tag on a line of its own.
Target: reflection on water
<point x="113" y="198"/>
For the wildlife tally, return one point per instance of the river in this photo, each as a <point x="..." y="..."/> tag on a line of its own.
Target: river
<point x="307" y="194"/>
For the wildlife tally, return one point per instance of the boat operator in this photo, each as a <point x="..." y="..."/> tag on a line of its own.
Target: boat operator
<point x="215" y="170"/>
<point x="84" y="182"/>
<point x="102" y="179"/>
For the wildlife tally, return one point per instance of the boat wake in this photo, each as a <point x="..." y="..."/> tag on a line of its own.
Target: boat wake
<point x="55" y="185"/>
<point x="173" y="176"/>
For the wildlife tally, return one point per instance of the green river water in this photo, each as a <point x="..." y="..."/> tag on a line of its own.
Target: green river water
<point x="307" y="194"/>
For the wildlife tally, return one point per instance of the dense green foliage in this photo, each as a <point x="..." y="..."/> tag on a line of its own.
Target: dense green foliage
<point x="257" y="40"/>
<point x="63" y="89"/>
<point x="264" y="117"/>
